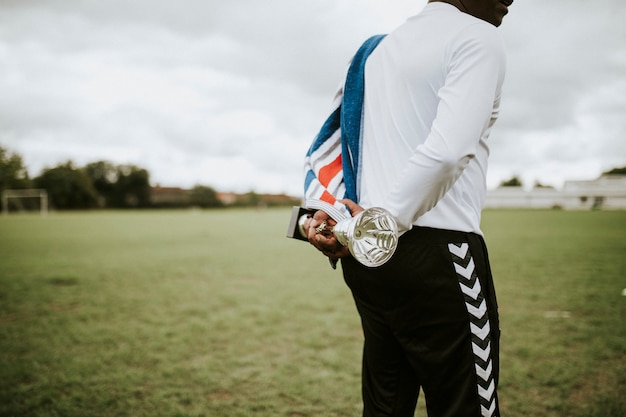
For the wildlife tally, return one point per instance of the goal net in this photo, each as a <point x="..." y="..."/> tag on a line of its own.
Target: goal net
<point x="31" y="199"/>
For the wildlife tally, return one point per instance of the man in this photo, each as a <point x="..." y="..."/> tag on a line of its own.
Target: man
<point x="431" y="96"/>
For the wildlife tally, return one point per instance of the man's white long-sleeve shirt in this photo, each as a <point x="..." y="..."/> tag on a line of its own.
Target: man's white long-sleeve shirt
<point x="432" y="94"/>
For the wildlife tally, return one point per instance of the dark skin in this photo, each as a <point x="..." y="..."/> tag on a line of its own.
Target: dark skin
<point x="491" y="11"/>
<point x="326" y="242"/>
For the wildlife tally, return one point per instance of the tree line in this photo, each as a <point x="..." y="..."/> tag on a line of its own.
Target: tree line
<point x="103" y="184"/>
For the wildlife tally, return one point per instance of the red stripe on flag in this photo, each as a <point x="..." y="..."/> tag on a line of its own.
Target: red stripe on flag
<point x="330" y="171"/>
<point x="328" y="197"/>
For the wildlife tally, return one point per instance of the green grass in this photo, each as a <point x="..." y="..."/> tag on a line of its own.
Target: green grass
<point x="216" y="313"/>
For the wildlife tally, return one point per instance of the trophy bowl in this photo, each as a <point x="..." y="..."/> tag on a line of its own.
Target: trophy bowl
<point x="371" y="236"/>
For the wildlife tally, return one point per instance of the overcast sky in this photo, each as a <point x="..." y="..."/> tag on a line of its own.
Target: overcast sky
<point x="230" y="93"/>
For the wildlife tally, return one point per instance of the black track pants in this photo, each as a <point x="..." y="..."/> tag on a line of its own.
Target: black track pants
<point x="430" y="320"/>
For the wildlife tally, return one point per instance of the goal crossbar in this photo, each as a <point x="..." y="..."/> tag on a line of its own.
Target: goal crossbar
<point x="25" y="193"/>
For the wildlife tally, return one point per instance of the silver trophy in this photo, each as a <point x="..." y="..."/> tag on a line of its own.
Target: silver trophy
<point x="371" y="236"/>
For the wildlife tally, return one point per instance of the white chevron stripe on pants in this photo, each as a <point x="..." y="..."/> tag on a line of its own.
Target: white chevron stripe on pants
<point x="479" y="325"/>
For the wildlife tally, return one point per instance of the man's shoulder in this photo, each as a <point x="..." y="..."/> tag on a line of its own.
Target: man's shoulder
<point x="477" y="33"/>
<point x="445" y="22"/>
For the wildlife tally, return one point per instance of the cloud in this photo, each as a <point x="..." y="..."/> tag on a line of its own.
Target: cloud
<point x="562" y="116"/>
<point x="229" y="94"/>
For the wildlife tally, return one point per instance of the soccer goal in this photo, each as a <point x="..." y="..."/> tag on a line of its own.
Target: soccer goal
<point x="22" y="200"/>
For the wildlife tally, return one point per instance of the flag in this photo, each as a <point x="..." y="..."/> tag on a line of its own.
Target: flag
<point x="332" y="162"/>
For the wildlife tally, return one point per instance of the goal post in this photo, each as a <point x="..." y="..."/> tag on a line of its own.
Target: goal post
<point x="39" y="193"/>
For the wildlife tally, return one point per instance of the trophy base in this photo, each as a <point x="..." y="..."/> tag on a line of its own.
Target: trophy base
<point x="294" y="230"/>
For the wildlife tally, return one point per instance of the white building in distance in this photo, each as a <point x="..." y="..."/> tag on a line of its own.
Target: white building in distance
<point x="607" y="193"/>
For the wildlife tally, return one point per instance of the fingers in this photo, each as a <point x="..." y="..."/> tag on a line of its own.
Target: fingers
<point x="320" y="216"/>
<point x="324" y="242"/>
<point x="314" y="225"/>
<point x="352" y="206"/>
<point x="336" y="253"/>
<point x="330" y="247"/>
<point x="321" y="237"/>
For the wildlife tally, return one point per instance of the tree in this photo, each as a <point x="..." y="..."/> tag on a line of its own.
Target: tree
<point x="68" y="187"/>
<point x="103" y="176"/>
<point x="513" y="182"/>
<point x="616" y="171"/>
<point x="13" y="173"/>
<point x="120" y="186"/>
<point x="132" y="188"/>
<point x="538" y="184"/>
<point x="249" y="199"/>
<point x="204" y="197"/>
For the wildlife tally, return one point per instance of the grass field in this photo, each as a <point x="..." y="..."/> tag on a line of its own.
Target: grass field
<point x="216" y="313"/>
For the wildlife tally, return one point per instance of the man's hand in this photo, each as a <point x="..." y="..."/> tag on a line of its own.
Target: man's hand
<point x="319" y="232"/>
